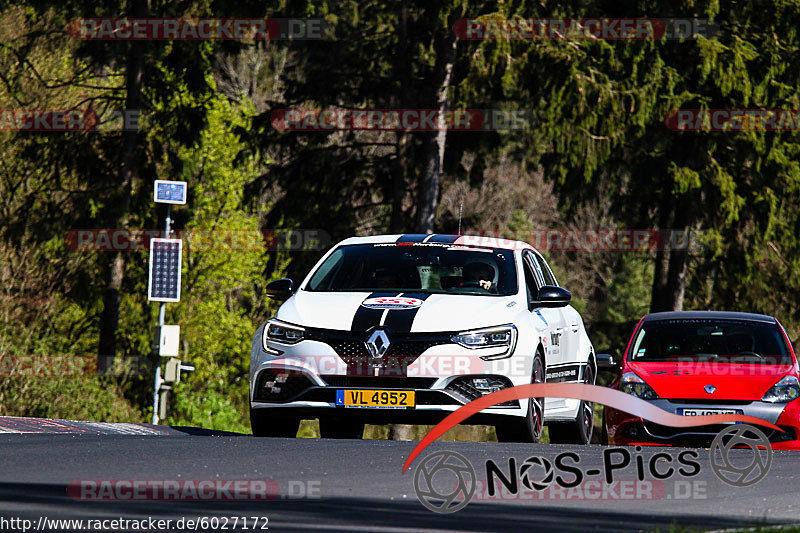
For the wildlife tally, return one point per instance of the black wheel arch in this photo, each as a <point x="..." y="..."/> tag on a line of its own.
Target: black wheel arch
<point x="592" y="362"/>
<point x="540" y="350"/>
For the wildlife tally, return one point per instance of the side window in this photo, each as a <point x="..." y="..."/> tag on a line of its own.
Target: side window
<point x="533" y="277"/>
<point x="532" y="263"/>
<point x="531" y="286"/>
<point x="547" y="274"/>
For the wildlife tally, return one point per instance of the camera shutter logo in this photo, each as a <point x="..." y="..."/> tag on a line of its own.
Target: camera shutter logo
<point x="727" y="468"/>
<point x="454" y="487"/>
<point x="525" y="473"/>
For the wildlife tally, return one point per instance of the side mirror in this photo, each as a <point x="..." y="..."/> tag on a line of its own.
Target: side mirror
<point x="605" y="362"/>
<point x="551" y="296"/>
<point x="280" y="289"/>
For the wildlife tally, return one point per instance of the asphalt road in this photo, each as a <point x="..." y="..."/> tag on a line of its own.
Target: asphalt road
<point x="330" y="485"/>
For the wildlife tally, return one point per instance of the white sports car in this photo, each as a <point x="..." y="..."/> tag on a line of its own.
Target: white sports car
<point x="408" y="328"/>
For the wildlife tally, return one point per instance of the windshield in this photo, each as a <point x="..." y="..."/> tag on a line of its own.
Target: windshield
<point x="710" y="340"/>
<point x="417" y="267"/>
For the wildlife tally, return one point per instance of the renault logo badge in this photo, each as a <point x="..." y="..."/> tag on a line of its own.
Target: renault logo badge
<point x="378" y="343"/>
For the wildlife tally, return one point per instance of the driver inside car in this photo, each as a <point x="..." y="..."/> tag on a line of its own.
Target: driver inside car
<point x="478" y="273"/>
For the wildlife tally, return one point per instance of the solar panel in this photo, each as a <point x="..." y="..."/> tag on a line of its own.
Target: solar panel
<point x="164" y="281"/>
<point x="169" y="192"/>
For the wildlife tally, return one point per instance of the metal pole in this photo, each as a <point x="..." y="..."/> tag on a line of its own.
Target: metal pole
<point x="154" y="419"/>
<point x="157" y="383"/>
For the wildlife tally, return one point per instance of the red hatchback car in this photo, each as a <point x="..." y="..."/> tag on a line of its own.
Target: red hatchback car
<point x="706" y="362"/>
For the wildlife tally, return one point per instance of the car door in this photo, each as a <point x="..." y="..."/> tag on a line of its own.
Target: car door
<point x="570" y="339"/>
<point x="551" y="318"/>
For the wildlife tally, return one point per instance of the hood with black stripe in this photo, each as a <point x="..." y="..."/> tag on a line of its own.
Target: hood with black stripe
<point x="438" y="312"/>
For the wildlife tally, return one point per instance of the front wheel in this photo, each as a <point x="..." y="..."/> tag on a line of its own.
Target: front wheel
<point x="578" y="431"/>
<point x="529" y="428"/>
<point x="265" y="423"/>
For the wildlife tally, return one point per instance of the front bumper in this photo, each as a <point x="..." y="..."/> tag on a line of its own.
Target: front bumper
<point x="305" y="395"/>
<point x="625" y="429"/>
<point x="439" y="372"/>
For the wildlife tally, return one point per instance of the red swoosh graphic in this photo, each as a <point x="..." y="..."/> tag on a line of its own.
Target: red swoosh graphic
<point x="590" y="393"/>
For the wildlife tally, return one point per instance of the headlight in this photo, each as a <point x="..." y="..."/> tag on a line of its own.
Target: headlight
<point x="786" y="390"/>
<point x="281" y="332"/>
<point x="496" y="337"/>
<point x="636" y="386"/>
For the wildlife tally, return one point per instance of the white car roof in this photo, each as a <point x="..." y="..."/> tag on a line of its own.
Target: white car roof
<point x="444" y="238"/>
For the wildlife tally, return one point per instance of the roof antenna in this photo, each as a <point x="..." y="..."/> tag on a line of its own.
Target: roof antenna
<point x="460" y="211"/>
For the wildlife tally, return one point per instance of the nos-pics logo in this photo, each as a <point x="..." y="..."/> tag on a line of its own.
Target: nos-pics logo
<point x="445" y="481"/>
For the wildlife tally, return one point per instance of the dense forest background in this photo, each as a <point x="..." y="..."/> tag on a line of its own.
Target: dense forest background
<point x="597" y="154"/>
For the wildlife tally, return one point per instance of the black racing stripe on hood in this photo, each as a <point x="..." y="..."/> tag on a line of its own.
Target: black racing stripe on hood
<point x="401" y="320"/>
<point x="413" y="237"/>
<point x="366" y="318"/>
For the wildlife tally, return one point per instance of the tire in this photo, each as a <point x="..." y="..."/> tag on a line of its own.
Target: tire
<point x="338" y="428"/>
<point x="264" y="423"/>
<point x="529" y="428"/>
<point x="578" y="431"/>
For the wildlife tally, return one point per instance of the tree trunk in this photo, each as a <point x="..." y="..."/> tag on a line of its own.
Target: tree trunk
<point x="397" y="219"/>
<point x="671" y="297"/>
<point x="109" y="320"/>
<point x="671" y="266"/>
<point x="435" y="142"/>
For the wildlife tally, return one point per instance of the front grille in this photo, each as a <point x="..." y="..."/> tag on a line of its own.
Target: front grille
<point x="348" y="348"/>
<point x="464" y="389"/>
<point x="270" y="389"/>
<point x="699" y="435"/>
<point x="379" y="382"/>
<point x="349" y="344"/>
<point x="667" y="432"/>
<point x="709" y="401"/>
<point x="413" y="347"/>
